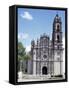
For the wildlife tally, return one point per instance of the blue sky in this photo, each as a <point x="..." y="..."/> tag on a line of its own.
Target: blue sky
<point x="34" y="22"/>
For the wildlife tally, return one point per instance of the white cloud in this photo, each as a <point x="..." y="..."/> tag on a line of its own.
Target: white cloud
<point x="27" y="16"/>
<point x="28" y="48"/>
<point x="22" y="36"/>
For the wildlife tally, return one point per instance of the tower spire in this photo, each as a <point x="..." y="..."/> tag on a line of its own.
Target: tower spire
<point x="57" y="14"/>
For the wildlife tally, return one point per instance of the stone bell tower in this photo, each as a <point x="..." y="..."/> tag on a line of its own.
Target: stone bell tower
<point x="57" y="49"/>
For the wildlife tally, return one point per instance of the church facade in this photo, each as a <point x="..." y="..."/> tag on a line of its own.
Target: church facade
<point x="47" y="53"/>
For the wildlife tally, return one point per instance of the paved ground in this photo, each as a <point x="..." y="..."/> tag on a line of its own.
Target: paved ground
<point x="26" y="77"/>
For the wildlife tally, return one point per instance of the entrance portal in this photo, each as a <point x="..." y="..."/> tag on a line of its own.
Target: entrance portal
<point x="44" y="70"/>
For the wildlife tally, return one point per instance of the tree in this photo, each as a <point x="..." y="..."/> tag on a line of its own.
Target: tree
<point x="22" y="58"/>
<point x="21" y="54"/>
<point x="26" y="58"/>
<point x="21" y="51"/>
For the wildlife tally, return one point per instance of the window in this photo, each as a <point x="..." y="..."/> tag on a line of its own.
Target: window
<point x="58" y="46"/>
<point x="57" y="38"/>
<point x="58" y="53"/>
<point x="45" y="56"/>
<point x="58" y="28"/>
<point x="58" y="59"/>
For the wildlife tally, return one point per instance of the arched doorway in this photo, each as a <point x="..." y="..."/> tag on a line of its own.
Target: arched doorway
<point x="44" y="70"/>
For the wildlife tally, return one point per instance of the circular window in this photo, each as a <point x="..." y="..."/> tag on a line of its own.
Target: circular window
<point x="45" y="56"/>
